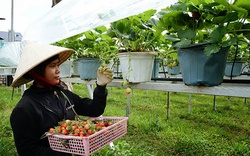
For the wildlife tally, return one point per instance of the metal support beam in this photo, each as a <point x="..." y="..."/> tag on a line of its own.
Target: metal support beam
<point x="12" y="22"/>
<point x="128" y="106"/>
<point x="214" y="107"/>
<point x="228" y="101"/>
<point x="168" y="105"/>
<point x="189" y="103"/>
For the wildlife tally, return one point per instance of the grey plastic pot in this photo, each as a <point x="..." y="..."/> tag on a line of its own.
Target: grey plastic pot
<point x="235" y="68"/>
<point x="174" y="70"/>
<point x="156" y="66"/>
<point x="200" y="70"/>
<point x="88" y="67"/>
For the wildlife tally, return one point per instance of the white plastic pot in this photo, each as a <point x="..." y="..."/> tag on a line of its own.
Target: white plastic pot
<point x="137" y="66"/>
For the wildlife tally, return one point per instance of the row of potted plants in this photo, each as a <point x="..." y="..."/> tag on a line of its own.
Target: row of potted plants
<point x="92" y="48"/>
<point x="213" y="27"/>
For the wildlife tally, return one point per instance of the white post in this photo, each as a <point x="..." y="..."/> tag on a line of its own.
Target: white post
<point x="90" y="90"/>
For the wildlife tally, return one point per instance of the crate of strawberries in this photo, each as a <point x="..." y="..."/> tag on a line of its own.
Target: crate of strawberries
<point x="84" y="137"/>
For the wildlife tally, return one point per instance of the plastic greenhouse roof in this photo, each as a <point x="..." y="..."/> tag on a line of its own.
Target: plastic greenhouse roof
<point x="69" y="18"/>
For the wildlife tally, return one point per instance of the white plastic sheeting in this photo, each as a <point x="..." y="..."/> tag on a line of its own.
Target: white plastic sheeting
<point x="71" y="17"/>
<point x="10" y="53"/>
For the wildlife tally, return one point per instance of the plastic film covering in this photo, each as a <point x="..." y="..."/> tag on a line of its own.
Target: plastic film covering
<point x="10" y="53"/>
<point x="69" y="18"/>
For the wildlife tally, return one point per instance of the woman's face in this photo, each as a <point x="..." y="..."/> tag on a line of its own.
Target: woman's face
<point x="52" y="72"/>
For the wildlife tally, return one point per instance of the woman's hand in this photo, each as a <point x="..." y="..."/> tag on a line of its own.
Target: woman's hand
<point x="104" y="75"/>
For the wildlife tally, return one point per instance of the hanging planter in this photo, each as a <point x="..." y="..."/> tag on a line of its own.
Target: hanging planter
<point x="198" y="69"/>
<point x="75" y="70"/>
<point x="65" y="69"/>
<point x="136" y="42"/>
<point x="174" y="70"/>
<point x="137" y="66"/>
<point x="88" y="67"/>
<point x="192" y="22"/>
<point x="173" y="65"/>
<point x="233" y="69"/>
<point x="156" y="66"/>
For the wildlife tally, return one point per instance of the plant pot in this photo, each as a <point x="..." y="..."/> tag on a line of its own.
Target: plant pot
<point x="236" y="70"/>
<point x="174" y="70"/>
<point x="87" y="68"/>
<point x="65" y="69"/>
<point x="137" y="66"/>
<point x="200" y="70"/>
<point x="155" y="72"/>
<point x="75" y="68"/>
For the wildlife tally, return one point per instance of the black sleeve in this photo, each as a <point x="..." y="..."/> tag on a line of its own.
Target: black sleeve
<point x="26" y="135"/>
<point x="91" y="107"/>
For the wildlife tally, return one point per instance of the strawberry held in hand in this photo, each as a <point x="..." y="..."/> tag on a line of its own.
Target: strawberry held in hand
<point x="104" y="75"/>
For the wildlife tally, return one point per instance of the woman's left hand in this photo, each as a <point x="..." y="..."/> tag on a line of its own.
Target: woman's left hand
<point x="104" y="75"/>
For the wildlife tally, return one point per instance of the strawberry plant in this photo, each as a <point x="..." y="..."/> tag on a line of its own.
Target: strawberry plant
<point x="92" y="44"/>
<point x="219" y="22"/>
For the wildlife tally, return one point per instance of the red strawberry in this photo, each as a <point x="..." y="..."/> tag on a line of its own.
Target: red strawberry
<point x="128" y="91"/>
<point x="196" y="15"/>
<point x="65" y="132"/>
<point x="52" y="130"/>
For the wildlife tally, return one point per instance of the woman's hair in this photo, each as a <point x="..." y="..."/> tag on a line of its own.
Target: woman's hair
<point x="40" y="69"/>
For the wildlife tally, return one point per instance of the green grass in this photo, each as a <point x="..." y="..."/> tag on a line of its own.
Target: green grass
<point x="224" y="131"/>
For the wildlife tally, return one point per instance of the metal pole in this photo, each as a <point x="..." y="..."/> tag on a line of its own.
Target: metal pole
<point x="168" y="106"/>
<point x="12" y="21"/>
<point x="189" y="103"/>
<point x="128" y="106"/>
<point x="228" y="101"/>
<point x="214" y="102"/>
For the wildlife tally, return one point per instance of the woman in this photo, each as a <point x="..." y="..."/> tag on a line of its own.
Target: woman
<point x="46" y="103"/>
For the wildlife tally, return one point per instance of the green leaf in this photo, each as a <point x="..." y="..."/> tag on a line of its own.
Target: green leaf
<point x="101" y="29"/>
<point x="172" y="38"/>
<point x="90" y="35"/>
<point x="211" y="49"/>
<point x="231" y="41"/>
<point x="182" y="43"/>
<point x="123" y="26"/>
<point x="217" y="35"/>
<point x="153" y="21"/>
<point x="147" y="15"/>
<point x="243" y="4"/>
<point x="179" y="6"/>
<point x="232" y="16"/>
<point x="223" y="2"/>
<point x="188" y="33"/>
<point x="246" y="30"/>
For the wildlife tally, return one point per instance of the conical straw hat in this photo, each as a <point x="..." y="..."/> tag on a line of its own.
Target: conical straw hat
<point x="33" y="54"/>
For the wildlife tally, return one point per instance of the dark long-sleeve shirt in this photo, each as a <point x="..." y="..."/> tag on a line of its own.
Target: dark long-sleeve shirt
<point x="42" y="108"/>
